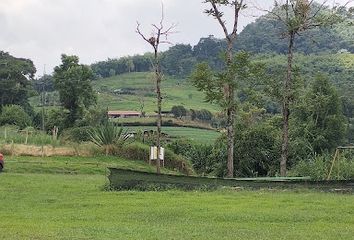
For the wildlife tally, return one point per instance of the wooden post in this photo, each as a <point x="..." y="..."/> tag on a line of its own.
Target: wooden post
<point x="26" y="141"/>
<point x="332" y="165"/>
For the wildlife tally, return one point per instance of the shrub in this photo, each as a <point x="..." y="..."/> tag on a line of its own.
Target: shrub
<point x="201" y="158"/>
<point x="15" y="115"/>
<point x="181" y="146"/>
<point x="139" y="151"/>
<point x="108" y="136"/>
<point x="318" y="168"/>
<point x="56" y="118"/>
<point x="134" y="151"/>
<point x="77" y="134"/>
<point x="179" y="111"/>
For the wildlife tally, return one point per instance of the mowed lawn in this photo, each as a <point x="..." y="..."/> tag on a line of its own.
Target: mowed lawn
<point x="76" y="206"/>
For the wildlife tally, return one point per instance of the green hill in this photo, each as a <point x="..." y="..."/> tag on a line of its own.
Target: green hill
<point x="129" y="91"/>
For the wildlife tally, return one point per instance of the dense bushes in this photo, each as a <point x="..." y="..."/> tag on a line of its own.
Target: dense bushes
<point x="179" y="111"/>
<point x="257" y="148"/>
<point x="139" y="151"/>
<point x="77" y="134"/>
<point x="201" y="156"/>
<point x="15" y="115"/>
<point x="318" y="168"/>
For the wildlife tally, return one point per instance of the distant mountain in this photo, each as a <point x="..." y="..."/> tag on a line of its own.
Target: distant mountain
<point x="265" y="35"/>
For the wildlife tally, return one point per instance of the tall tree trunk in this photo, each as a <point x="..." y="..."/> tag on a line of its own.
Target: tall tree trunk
<point x="230" y="94"/>
<point x="159" y="117"/>
<point x="230" y="140"/>
<point x="286" y="106"/>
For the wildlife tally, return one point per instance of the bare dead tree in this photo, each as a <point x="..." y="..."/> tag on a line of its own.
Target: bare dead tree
<point x="158" y="36"/>
<point x="296" y="17"/>
<point x="229" y="85"/>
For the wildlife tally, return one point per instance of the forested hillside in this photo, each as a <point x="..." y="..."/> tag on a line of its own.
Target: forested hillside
<point x="265" y="35"/>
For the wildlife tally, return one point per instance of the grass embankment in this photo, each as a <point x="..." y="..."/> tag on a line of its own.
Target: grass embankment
<point x="38" y="203"/>
<point x="73" y="165"/>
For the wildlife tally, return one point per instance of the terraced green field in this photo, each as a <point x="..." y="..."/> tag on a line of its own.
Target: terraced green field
<point x="175" y="92"/>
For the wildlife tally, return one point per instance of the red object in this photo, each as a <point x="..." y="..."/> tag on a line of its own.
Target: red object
<point x="1" y="162"/>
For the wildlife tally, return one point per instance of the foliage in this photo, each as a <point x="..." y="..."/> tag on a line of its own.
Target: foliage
<point x="15" y="115"/>
<point x="56" y="118"/>
<point x="318" y="168"/>
<point x="178" y="60"/>
<point x="318" y="117"/>
<point x="181" y="146"/>
<point x="94" y="116"/>
<point x="179" y="111"/>
<point x="108" y="136"/>
<point x="257" y="150"/>
<point x="201" y="158"/>
<point x="15" y="74"/>
<point x="44" y="83"/>
<point x="213" y="83"/>
<point x="28" y="135"/>
<point x="139" y="151"/>
<point x="77" y="134"/>
<point x="111" y="67"/>
<point x="202" y="115"/>
<point x="72" y="81"/>
<point x="265" y="36"/>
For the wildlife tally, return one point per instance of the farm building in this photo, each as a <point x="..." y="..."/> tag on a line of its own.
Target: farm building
<point x="123" y="114"/>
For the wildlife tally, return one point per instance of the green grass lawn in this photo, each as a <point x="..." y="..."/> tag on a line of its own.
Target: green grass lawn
<point x="74" y="206"/>
<point x="201" y="136"/>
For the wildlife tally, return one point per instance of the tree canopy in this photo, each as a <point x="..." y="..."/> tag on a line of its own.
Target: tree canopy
<point x="73" y="82"/>
<point x="15" y="76"/>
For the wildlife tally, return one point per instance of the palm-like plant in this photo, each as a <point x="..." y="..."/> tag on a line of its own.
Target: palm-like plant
<point x="107" y="136"/>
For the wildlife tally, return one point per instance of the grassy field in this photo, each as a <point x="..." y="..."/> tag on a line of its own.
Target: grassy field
<point x="175" y="92"/>
<point x="201" y="136"/>
<point x="71" y="165"/>
<point x="42" y="204"/>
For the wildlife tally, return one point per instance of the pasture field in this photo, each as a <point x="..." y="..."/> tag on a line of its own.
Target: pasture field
<point x="174" y="91"/>
<point x="41" y="204"/>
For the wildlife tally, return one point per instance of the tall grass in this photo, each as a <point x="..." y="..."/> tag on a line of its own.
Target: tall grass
<point x="318" y="167"/>
<point x="30" y="136"/>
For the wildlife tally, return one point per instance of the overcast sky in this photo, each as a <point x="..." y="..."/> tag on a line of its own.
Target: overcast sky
<point x="99" y="29"/>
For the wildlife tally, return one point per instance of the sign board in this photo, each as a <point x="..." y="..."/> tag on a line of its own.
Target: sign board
<point x="153" y="153"/>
